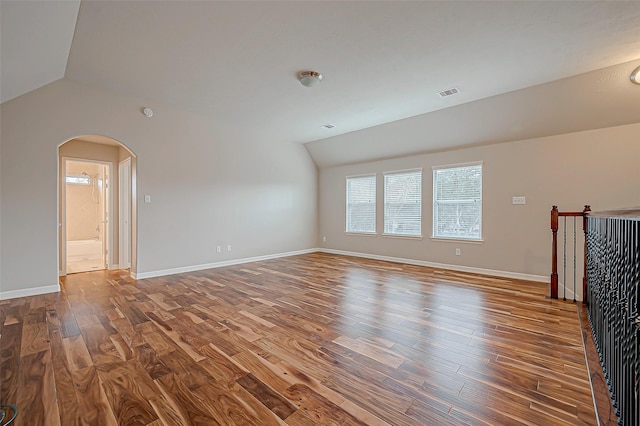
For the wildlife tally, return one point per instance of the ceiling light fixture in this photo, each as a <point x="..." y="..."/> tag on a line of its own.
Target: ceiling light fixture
<point x="635" y="76"/>
<point x="309" y="78"/>
<point x="148" y="112"/>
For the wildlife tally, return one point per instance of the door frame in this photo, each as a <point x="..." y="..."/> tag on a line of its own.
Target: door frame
<point x="124" y="213"/>
<point x="62" y="225"/>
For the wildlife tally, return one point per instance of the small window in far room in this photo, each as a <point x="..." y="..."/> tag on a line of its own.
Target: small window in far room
<point x="361" y="204"/>
<point x="79" y="180"/>
<point x="457" y="202"/>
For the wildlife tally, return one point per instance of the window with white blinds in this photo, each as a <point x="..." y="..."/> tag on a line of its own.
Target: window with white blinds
<point x="361" y="204"/>
<point x="403" y="203"/>
<point x="457" y="202"/>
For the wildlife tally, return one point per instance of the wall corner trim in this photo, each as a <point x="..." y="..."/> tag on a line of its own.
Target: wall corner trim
<point x="459" y="268"/>
<point x="32" y="291"/>
<point x="180" y="270"/>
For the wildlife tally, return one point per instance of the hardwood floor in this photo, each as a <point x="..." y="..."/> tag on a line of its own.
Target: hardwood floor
<point x="311" y="339"/>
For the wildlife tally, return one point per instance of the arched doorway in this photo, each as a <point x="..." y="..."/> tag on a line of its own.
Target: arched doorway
<point x="96" y="205"/>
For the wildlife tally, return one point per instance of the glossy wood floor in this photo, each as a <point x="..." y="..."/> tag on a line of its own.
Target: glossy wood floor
<point x="312" y="339"/>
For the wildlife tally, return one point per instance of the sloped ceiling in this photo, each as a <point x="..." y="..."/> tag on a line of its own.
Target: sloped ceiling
<point x="35" y="39"/>
<point x="593" y="100"/>
<point x="236" y="62"/>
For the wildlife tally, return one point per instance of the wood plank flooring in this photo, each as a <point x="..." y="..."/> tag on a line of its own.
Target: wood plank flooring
<point x="311" y="339"/>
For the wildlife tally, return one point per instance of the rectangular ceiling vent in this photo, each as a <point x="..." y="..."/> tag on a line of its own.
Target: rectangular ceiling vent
<point x="328" y="126"/>
<point x="449" y="92"/>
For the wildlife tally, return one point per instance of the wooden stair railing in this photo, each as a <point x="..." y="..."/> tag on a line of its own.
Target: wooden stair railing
<point x="555" y="214"/>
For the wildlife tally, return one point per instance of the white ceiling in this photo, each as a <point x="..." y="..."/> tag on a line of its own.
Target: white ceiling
<point x="236" y="62"/>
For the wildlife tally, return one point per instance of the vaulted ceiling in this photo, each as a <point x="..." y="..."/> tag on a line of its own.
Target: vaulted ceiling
<point x="237" y="61"/>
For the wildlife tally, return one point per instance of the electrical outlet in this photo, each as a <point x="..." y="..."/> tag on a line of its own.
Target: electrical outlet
<point x="458" y="251"/>
<point x="324" y="239"/>
<point x="518" y="200"/>
<point x="218" y="249"/>
<point x="228" y="247"/>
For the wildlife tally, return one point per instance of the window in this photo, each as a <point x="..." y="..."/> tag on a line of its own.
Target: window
<point x="80" y="180"/>
<point x="457" y="202"/>
<point x="403" y="203"/>
<point x="361" y="204"/>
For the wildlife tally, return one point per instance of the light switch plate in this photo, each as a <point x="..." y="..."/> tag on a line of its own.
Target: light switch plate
<point x="147" y="199"/>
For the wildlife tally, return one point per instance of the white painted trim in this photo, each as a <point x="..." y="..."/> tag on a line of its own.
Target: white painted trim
<point x="114" y="267"/>
<point x="61" y="213"/>
<point x="403" y="237"/>
<point x="493" y="272"/>
<point x="586" y="361"/>
<point x="124" y="212"/>
<point x="455" y="166"/>
<point x="457" y="240"/>
<point x="568" y="293"/>
<point x="33" y="291"/>
<point x="108" y="232"/>
<point x="180" y="270"/>
<point x="359" y="176"/>
<point x="159" y="273"/>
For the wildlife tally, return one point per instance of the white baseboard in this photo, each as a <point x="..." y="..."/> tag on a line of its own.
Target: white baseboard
<point x="33" y="291"/>
<point x="459" y="268"/>
<point x="12" y="294"/>
<point x="180" y="270"/>
<point x="569" y="295"/>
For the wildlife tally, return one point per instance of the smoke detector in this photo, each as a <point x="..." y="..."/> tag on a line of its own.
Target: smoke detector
<point x="309" y="78"/>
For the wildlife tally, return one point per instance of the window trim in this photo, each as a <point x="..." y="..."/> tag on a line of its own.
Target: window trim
<point x="384" y="196"/>
<point x="433" y="199"/>
<point x="456" y="165"/>
<point x="375" y="208"/>
<point x="366" y="234"/>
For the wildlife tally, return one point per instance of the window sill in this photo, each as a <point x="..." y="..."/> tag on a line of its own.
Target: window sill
<point x="364" y="234"/>
<point x="404" y="237"/>
<point x="457" y="240"/>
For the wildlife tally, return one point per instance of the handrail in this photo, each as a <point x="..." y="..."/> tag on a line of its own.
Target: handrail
<point x="555" y="214"/>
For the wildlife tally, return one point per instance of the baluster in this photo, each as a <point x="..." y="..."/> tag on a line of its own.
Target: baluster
<point x="612" y="272"/>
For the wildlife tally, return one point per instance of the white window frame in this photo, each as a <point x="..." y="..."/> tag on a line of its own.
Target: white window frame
<point x="436" y="202"/>
<point x="386" y="232"/>
<point x="347" y="204"/>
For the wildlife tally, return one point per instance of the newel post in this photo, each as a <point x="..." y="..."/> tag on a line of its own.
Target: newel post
<point x="554" y="253"/>
<point x="585" y="212"/>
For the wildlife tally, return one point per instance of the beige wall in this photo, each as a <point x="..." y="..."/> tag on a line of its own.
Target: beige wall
<point x="208" y="186"/>
<point x="597" y="167"/>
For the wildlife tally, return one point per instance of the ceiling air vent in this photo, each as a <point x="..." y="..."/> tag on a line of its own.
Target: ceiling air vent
<point x="328" y="126"/>
<point x="449" y="92"/>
